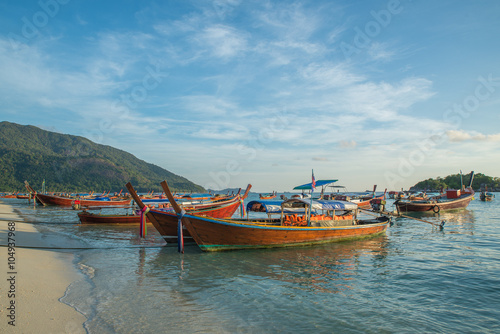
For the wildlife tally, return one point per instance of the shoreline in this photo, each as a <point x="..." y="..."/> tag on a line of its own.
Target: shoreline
<point x="37" y="279"/>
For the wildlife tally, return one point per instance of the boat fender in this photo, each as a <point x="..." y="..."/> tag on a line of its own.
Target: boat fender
<point x="436" y="209"/>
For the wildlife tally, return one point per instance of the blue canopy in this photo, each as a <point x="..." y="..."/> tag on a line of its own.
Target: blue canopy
<point x="193" y="196"/>
<point x="105" y="199"/>
<point x="319" y="183"/>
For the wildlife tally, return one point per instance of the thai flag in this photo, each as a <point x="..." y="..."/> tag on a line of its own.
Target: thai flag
<point x="313" y="184"/>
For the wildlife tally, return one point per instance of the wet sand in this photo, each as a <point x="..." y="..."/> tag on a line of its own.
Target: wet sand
<point x="36" y="281"/>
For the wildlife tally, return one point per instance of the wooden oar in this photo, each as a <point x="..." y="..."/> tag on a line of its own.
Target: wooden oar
<point x="425" y="221"/>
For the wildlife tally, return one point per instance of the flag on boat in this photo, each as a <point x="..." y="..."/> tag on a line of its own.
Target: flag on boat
<point x="313" y="183"/>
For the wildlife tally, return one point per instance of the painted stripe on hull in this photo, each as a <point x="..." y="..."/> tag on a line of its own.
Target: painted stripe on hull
<point x="215" y="248"/>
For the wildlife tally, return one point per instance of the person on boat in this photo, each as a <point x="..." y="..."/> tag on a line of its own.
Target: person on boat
<point x="77" y="202"/>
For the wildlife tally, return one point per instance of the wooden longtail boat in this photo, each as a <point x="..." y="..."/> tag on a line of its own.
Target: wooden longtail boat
<point x="268" y="196"/>
<point x="213" y="234"/>
<point x="366" y="201"/>
<point x="436" y="204"/>
<point x="92" y="218"/>
<point x="451" y="200"/>
<point x="69" y="201"/>
<point x="168" y="227"/>
<point x="10" y="196"/>
<point x="363" y="201"/>
<point x="486" y="197"/>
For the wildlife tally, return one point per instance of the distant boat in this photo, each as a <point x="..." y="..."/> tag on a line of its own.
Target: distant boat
<point x="9" y="195"/>
<point x="213" y="234"/>
<point x="268" y="196"/>
<point x="362" y="200"/>
<point x="486" y="196"/>
<point x="70" y="200"/>
<point x="451" y="200"/>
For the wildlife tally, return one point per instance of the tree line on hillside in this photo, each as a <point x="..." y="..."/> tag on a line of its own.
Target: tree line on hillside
<point x="74" y="164"/>
<point x="454" y="182"/>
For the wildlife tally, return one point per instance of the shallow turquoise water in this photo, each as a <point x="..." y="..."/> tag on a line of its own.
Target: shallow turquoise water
<point x="415" y="279"/>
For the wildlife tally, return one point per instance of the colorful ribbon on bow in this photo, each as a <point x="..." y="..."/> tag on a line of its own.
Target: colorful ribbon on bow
<point x="143" y="227"/>
<point x="242" y="208"/>
<point x="180" y="233"/>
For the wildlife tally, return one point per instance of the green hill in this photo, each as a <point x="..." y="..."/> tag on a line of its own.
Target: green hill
<point x="73" y="163"/>
<point x="453" y="182"/>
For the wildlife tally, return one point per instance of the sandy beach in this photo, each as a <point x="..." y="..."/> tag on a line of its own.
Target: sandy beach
<point x="34" y="279"/>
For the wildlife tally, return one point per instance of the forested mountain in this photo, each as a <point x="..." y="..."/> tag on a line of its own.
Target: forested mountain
<point x="73" y="163"/>
<point x="453" y="182"/>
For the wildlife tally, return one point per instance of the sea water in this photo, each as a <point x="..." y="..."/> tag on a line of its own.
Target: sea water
<point x="414" y="279"/>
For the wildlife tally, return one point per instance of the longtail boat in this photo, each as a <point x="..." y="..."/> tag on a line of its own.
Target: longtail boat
<point x="362" y="202"/>
<point x="268" y="196"/>
<point x="10" y="195"/>
<point x="93" y="218"/>
<point x="486" y="196"/>
<point x="450" y="200"/>
<point x="69" y="201"/>
<point x="212" y="234"/>
<point x="168" y="227"/>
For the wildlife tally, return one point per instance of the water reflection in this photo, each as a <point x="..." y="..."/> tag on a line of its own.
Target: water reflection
<point x="456" y="221"/>
<point x="324" y="268"/>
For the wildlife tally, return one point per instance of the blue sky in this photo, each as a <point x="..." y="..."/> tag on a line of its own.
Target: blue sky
<point x="231" y="92"/>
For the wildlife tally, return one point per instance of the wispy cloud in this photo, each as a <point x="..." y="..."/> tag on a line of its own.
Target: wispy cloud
<point x="222" y="41"/>
<point x="380" y="51"/>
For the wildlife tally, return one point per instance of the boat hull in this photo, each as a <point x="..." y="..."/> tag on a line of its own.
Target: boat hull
<point x="90" y="218"/>
<point x="415" y="206"/>
<point x="68" y="201"/>
<point x="220" y="235"/>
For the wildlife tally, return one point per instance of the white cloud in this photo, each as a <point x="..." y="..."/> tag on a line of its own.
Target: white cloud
<point x="223" y="41"/>
<point x="380" y="51"/>
<point x="327" y="76"/>
<point x="461" y="135"/>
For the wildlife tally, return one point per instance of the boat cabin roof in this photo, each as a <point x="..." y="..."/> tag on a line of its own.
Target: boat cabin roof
<point x="297" y="205"/>
<point x="319" y="183"/>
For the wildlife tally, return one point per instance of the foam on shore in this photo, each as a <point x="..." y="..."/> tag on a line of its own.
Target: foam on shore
<point x="41" y="277"/>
